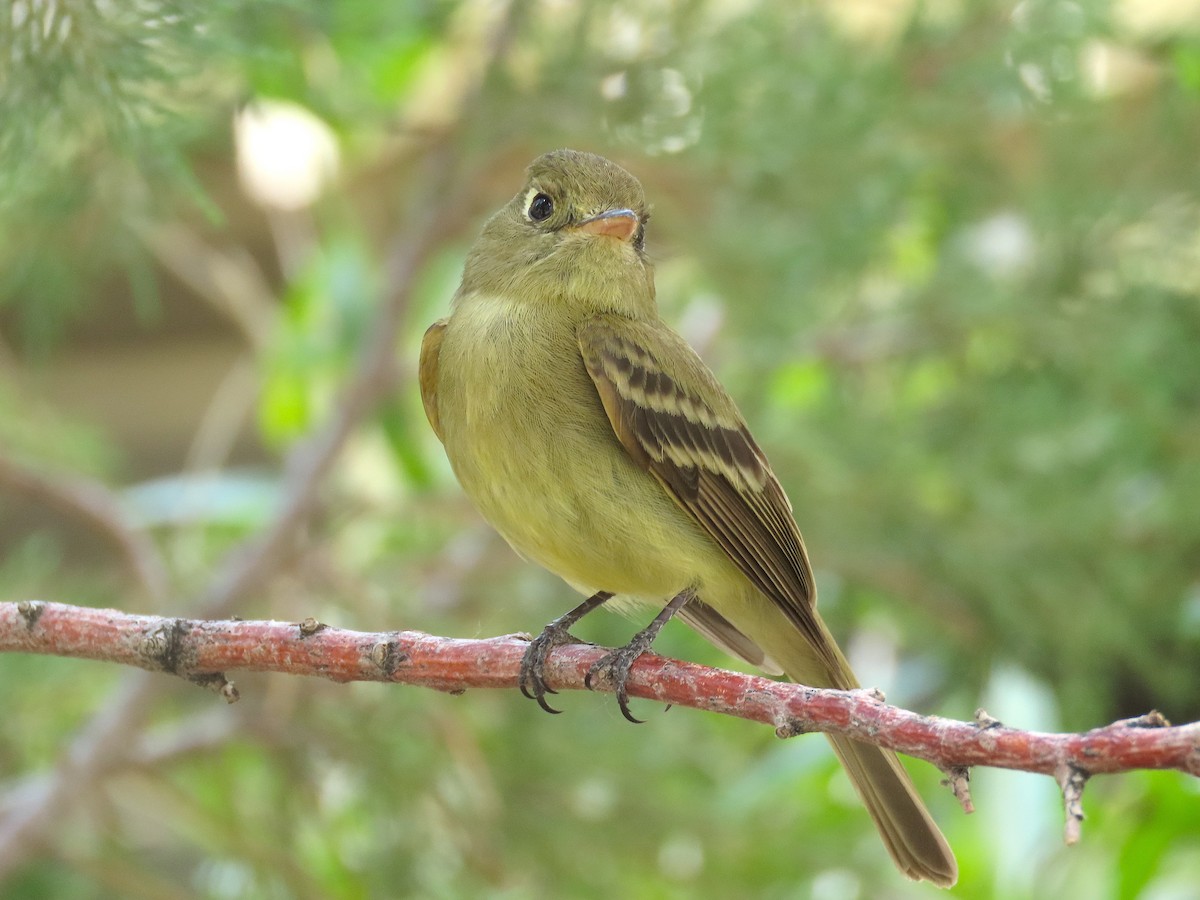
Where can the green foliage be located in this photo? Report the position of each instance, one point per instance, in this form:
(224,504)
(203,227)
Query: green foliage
(943,254)
(99,104)
(326,312)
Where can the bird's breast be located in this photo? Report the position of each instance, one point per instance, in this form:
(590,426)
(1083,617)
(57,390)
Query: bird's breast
(528,439)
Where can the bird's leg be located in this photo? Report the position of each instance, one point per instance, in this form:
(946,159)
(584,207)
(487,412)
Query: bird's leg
(531,680)
(616,665)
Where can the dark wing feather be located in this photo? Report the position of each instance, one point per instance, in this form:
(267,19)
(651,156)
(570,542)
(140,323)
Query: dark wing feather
(677,422)
(719,631)
(427,373)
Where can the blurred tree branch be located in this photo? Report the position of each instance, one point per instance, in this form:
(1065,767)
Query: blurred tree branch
(440,205)
(97,507)
(203,650)
(951,270)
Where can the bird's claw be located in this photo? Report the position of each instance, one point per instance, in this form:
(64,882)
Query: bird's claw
(615,666)
(532,680)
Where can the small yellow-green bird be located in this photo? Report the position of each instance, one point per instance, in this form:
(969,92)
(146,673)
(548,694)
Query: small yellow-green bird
(595,440)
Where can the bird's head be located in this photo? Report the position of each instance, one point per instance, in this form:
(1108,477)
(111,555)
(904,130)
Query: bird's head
(574,234)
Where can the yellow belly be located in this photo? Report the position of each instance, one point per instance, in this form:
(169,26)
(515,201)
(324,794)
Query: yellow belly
(532,447)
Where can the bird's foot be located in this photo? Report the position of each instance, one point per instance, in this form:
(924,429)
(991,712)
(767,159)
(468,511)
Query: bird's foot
(532,679)
(615,666)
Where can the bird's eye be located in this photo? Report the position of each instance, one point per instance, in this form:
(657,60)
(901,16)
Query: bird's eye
(540,208)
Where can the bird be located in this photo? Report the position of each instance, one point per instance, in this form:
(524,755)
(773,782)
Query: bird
(594,439)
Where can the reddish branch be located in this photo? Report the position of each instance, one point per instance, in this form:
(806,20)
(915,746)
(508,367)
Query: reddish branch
(438,208)
(202,651)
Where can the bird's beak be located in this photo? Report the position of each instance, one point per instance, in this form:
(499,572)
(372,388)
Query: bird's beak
(619,223)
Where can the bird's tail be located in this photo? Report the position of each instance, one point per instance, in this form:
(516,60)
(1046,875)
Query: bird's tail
(908,831)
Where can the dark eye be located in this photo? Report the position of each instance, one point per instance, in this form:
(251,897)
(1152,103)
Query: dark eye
(639,238)
(540,208)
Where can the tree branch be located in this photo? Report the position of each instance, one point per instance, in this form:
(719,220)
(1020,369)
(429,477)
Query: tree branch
(202,651)
(99,508)
(439,205)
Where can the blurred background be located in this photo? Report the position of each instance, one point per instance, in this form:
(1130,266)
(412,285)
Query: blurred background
(946,255)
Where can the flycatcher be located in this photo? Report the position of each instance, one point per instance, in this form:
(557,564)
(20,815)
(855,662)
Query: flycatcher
(595,440)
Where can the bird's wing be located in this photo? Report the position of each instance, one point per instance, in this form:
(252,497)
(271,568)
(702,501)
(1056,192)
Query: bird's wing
(431,348)
(677,422)
(719,631)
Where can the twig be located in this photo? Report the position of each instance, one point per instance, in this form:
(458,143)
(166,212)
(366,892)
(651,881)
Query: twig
(203,650)
(100,747)
(197,734)
(228,280)
(98,508)
(1072,779)
(436,209)
(958,779)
